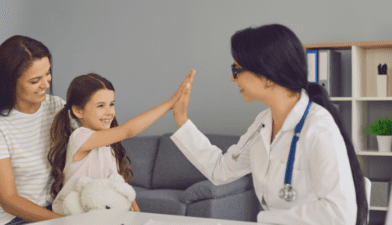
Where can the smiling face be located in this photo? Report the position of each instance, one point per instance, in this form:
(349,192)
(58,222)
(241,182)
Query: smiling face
(32,85)
(252,87)
(99,112)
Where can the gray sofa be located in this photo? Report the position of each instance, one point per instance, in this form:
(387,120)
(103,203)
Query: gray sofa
(167,183)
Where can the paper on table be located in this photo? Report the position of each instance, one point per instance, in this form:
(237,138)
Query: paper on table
(153,222)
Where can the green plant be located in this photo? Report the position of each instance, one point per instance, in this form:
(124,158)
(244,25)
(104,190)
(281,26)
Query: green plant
(380,127)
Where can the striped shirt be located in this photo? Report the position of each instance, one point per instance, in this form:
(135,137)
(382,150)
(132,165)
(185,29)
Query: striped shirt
(25,138)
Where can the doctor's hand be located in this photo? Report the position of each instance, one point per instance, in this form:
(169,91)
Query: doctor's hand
(181,105)
(173,99)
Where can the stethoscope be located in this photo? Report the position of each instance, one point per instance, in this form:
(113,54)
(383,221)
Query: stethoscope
(287,192)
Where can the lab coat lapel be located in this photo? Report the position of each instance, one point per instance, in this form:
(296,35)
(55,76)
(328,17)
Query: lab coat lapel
(296,113)
(259,156)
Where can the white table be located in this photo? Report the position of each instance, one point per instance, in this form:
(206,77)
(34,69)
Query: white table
(114,217)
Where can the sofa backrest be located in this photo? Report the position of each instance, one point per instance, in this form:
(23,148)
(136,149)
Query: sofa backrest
(174,171)
(142,152)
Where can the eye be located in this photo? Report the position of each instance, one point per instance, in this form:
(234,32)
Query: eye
(107,207)
(112,104)
(100,106)
(34,82)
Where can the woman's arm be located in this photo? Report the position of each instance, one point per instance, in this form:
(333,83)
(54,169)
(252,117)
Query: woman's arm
(135,125)
(16,205)
(207,158)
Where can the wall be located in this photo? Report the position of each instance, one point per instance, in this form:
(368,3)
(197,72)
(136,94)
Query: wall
(146,48)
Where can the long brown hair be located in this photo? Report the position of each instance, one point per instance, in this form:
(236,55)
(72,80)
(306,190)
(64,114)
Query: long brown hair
(276,52)
(79,93)
(17,54)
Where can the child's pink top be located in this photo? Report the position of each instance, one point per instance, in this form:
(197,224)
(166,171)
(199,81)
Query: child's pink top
(99,163)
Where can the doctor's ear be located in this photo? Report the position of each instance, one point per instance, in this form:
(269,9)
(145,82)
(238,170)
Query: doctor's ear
(268,83)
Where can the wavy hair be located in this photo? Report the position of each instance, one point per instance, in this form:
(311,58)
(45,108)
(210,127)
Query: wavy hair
(17,54)
(79,93)
(275,52)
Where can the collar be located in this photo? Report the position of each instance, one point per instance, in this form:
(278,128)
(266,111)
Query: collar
(296,113)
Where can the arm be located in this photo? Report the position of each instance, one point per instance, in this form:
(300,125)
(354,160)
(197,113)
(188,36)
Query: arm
(133,126)
(16,205)
(127,130)
(134,207)
(208,158)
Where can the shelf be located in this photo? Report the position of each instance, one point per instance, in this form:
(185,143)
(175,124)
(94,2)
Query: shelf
(374,153)
(373,99)
(378,208)
(355,96)
(347,45)
(342,99)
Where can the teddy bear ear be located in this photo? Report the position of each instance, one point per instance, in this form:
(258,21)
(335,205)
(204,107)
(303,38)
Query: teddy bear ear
(82,183)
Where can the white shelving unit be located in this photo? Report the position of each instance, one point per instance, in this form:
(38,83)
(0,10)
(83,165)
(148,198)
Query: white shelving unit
(361,105)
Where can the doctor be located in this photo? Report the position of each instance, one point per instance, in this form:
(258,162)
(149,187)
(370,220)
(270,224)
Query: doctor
(326,185)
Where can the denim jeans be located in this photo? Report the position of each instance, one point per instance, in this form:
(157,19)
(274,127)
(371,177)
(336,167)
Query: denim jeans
(19,221)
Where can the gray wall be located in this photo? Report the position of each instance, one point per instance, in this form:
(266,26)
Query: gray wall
(146,48)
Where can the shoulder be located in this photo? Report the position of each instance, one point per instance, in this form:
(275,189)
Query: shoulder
(80,131)
(320,118)
(320,127)
(54,101)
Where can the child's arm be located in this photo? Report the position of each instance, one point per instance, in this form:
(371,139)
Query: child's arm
(134,207)
(135,125)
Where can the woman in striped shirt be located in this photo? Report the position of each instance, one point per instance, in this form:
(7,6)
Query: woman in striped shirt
(26,115)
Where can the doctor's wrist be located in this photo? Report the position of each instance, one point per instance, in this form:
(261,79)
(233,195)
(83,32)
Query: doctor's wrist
(181,121)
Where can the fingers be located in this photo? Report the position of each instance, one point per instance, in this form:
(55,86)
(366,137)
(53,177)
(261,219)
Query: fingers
(188,78)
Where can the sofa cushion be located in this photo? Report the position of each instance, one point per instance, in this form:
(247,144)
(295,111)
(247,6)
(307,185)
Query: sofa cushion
(160,201)
(242,207)
(142,153)
(207,190)
(174,171)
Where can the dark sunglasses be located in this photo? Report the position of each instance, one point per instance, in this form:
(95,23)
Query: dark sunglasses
(236,71)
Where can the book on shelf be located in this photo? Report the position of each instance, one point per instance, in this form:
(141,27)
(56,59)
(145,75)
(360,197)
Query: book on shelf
(330,71)
(312,57)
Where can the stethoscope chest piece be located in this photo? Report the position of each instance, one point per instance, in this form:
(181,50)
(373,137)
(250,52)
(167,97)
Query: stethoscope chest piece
(287,193)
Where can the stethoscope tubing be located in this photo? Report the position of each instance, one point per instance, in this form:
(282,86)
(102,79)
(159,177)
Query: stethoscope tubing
(290,161)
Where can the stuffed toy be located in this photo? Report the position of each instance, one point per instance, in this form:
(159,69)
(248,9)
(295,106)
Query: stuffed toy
(95,194)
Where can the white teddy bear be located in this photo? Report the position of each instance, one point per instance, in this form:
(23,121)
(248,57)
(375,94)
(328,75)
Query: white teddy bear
(94,194)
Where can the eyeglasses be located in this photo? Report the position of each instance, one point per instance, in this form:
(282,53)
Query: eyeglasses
(236,71)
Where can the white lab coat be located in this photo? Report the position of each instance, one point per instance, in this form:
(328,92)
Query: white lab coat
(321,176)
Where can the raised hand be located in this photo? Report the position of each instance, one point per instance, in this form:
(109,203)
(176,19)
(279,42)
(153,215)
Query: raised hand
(181,105)
(181,89)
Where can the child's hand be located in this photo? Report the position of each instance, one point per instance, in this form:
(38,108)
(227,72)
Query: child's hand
(185,84)
(134,207)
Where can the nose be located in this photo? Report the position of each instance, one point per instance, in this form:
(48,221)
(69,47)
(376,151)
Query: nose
(110,110)
(45,84)
(232,78)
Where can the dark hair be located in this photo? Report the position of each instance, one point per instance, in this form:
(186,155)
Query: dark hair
(17,54)
(275,53)
(79,94)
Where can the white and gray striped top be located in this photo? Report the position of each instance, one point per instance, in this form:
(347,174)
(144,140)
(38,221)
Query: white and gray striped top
(25,138)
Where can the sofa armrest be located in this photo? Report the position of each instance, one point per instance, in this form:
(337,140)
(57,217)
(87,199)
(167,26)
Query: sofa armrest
(207,190)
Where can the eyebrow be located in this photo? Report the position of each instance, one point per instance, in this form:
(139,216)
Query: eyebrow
(105,102)
(39,76)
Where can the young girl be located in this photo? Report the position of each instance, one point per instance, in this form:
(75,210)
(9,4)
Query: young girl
(94,149)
